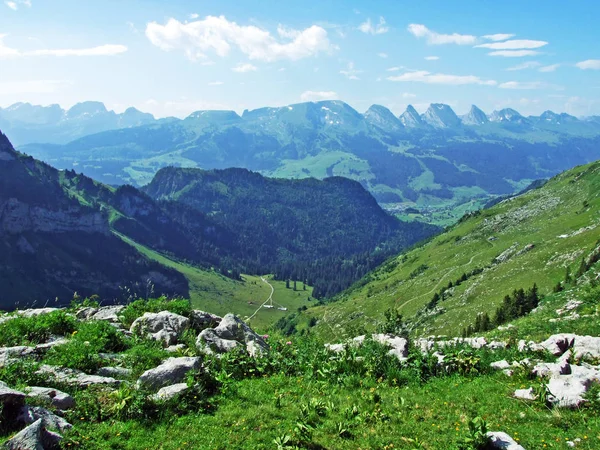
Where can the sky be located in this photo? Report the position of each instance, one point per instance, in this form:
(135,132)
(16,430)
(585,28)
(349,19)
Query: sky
(174,57)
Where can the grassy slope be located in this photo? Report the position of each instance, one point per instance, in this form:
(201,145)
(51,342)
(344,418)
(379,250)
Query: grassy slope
(538,217)
(215,293)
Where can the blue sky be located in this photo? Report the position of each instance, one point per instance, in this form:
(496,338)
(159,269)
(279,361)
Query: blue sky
(175,57)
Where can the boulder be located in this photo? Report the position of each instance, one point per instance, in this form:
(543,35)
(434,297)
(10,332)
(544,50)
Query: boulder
(175,348)
(501,440)
(231,332)
(164,326)
(551,369)
(525,394)
(500,365)
(567,391)
(586,347)
(10,396)
(170,392)
(118,373)
(11,354)
(108,313)
(171,371)
(34,437)
(86,313)
(398,345)
(200,320)
(77,378)
(56,398)
(30,414)
(36,312)
(557,344)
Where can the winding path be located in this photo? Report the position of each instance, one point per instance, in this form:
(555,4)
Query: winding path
(267,300)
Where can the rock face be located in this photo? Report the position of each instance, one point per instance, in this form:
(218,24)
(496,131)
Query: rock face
(501,440)
(171,371)
(10,396)
(56,398)
(583,347)
(164,326)
(230,333)
(34,437)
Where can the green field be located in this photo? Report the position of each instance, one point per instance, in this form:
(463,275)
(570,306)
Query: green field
(544,232)
(215,293)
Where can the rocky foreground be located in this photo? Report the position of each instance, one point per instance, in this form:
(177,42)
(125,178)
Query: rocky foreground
(566,380)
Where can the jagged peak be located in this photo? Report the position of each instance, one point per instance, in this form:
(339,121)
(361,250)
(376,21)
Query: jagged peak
(383,118)
(440,115)
(86,109)
(475,116)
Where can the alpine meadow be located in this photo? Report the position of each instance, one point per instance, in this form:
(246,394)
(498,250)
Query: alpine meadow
(299,225)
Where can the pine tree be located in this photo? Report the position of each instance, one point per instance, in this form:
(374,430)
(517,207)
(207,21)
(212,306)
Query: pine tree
(287,283)
(294,285)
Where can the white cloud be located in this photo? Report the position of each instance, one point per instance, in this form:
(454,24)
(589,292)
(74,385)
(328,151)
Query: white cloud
(432,58)
(433,38)
(593,64)
(527,85)
(408,95)
(7,52)
(31,87)
(315,96)
(497,37)
(369,28)
(350,72)
(101,50)
(193,16)
(395,69)
(14,4)
(550,68)
(525,65)
(514,53)
(382,55)
(218,35)
(514,44)
(243,68)
(215,83)
(422,76)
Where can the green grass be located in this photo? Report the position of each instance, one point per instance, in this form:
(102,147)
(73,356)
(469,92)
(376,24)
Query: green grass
(568,203)
(215,293)
(340,163)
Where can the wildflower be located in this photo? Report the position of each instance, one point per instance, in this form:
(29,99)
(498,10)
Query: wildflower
(265,336)
(74,333)
(288,343)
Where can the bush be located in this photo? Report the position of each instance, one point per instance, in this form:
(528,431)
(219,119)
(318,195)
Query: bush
(37,329)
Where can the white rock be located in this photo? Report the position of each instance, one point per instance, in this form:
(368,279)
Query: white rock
(118,373)
(525,394)
(500,365)
(164,326)
(231,332)
(171,371)
(567,391)
(10,396)
(170,392)
(58,399)
(72,377)
(503,441)
(108,313)
(31,414)
(34,437)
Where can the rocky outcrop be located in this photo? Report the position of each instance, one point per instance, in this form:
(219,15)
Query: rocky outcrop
(31,414)
(170,392)
(501,440)
(171,371)
(165,326)
(201,320)
(10,396)
(229,334)
(398,345)
(108,313)
(118,373)
(76,378)
(18,217)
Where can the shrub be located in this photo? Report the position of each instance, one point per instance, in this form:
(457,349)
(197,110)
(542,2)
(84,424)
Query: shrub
(37,329)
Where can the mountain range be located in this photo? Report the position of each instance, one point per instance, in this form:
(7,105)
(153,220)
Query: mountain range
(62,232)
(432,166)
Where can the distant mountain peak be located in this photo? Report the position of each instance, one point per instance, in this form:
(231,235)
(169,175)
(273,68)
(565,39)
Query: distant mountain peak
(475,117)
(383,118)
(440,115)
(215,116)
(507,115)
(86,109)
(411,118)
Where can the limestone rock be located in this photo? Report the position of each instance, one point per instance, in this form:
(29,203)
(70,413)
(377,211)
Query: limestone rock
(567,391)
(501,440)
(500,365)
(34,437)
(10,396)
(398,345)
(108,313)
(72,377)
(200,320)
(164,326)
(171,371)
(58,399)
(525,394)
(30,414)
(170,392)
(231,332)
(118,373)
